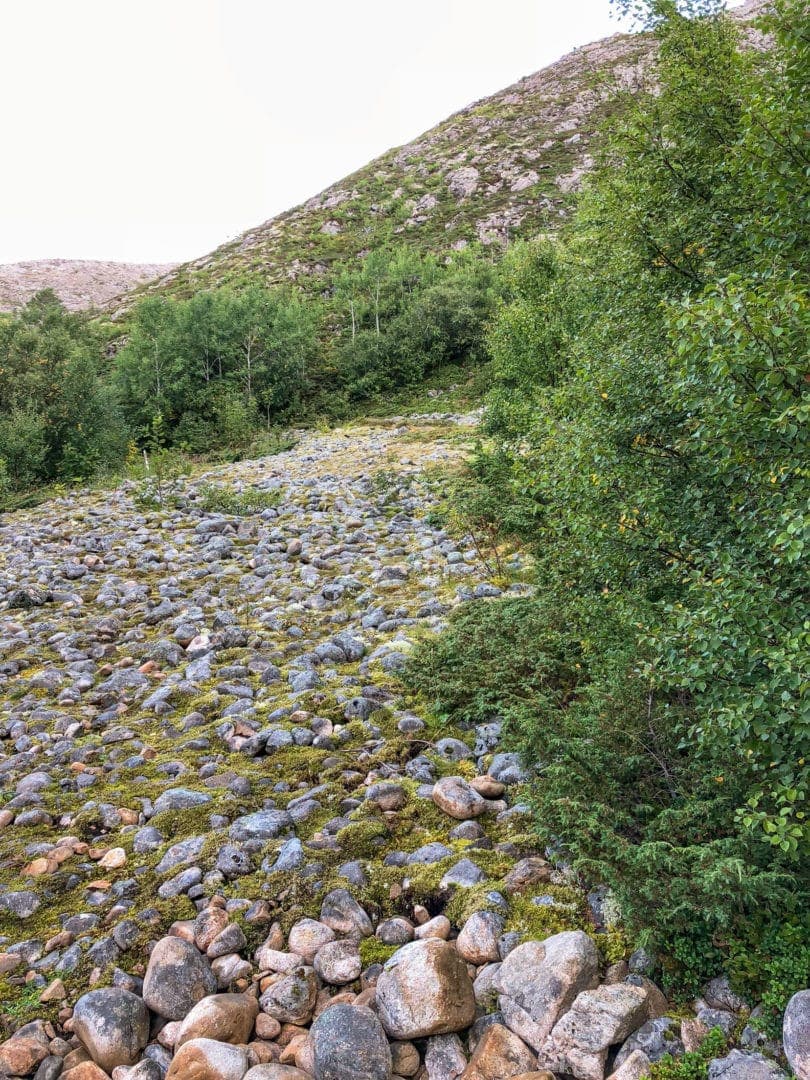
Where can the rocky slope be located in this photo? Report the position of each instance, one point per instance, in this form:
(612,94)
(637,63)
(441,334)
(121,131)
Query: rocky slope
(504,167)
(232,847)
(79,283)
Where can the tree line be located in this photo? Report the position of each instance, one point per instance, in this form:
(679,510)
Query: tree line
(212,370)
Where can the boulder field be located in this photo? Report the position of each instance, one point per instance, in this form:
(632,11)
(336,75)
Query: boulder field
(234,847)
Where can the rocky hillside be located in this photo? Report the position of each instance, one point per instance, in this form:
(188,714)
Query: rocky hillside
(506,166)
(79,283)
(503,167)
(232,846)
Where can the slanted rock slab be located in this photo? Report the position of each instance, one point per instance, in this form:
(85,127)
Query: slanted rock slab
(539,980)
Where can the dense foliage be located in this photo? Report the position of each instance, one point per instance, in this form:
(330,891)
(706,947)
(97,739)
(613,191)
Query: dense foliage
(649,440)
(58,416)
(212,372)
(211,369)
(203,372)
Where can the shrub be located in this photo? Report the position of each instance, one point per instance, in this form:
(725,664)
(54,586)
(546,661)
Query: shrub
(648,441)
(23,447)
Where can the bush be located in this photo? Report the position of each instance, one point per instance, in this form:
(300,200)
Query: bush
(23,447)
(59,419)
(693,1065)
(216,499)
(648,441)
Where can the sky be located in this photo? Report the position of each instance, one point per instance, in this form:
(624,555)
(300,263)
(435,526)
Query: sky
(154,130)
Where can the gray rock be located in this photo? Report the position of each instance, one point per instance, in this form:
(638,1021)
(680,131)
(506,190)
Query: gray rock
(184,851)
(233,861)
(796,1034)
(655,1038)
(263,825)
(21,904)
(291,1000)
(349,1043)
(463,874)
(341,912)
(177,977)
(338,962)
(113,1026)
(508,769)
(744,1066)
(444,1057)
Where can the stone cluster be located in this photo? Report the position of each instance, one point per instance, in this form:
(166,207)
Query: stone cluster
(232,847)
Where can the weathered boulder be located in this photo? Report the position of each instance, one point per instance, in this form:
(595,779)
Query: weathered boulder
(177,977)
(539,980)
(796,1034)
(224,1017)
(636,1067)
(655,1038)
(343,914)
(307,936)
(338,963)
(424,989)
(458,799)
(349,1044)
(26,1048)
(261,826)
(206,1059)
(498,1055)
(478,941)
(113,1026)
(444,1057)
(291,1000)
(739,1065)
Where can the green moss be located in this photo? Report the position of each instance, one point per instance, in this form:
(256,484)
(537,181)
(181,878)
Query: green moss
(373,951)
(537,921)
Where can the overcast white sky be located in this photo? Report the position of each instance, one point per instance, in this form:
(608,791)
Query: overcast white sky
(154,130)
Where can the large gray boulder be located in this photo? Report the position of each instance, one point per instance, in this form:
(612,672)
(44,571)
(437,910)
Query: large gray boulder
(177,977)
(796,1034)
(112,1025)
(425,989)
(539,980)
(349,1043)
